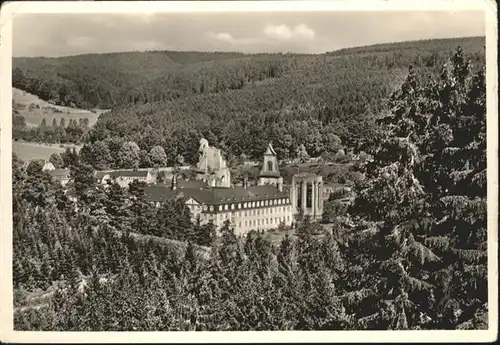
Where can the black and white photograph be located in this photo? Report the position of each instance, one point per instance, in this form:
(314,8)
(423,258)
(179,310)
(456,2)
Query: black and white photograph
(199,167)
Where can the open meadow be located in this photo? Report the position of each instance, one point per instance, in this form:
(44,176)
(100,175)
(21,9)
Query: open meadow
(34,110)
(28,151)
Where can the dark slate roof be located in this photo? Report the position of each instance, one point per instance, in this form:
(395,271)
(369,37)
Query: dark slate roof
(62,173)
(269,174)
(159,192)
(216,195)
(123,173)
(191,184)
(185,184)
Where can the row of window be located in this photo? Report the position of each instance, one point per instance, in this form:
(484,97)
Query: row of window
(127,178)
(253,204)
(256,212)
(267,221)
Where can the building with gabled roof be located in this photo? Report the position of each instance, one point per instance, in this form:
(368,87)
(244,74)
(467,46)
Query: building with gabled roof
(62,176)
(261,207)
(247,208)
(124,177)
(264,206)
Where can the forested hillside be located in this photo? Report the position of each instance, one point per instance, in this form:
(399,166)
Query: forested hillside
(238,102)
(410,253)
(320,100)
(107,80)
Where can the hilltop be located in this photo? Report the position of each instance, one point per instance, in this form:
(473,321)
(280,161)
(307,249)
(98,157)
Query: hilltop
(105,80)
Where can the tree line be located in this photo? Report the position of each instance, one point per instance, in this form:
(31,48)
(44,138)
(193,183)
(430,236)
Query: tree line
(54,133)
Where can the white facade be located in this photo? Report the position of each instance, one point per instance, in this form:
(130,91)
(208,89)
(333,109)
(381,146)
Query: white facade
(124,181)
(245,216)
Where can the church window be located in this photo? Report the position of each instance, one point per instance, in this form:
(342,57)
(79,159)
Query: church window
(225,207)
(232,206)
(270,166)
(239,205)
(239,225)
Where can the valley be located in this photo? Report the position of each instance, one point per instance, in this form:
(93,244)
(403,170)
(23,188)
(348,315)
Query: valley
(231,191)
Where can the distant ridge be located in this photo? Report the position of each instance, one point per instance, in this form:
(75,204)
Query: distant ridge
(391,46)
(119,79)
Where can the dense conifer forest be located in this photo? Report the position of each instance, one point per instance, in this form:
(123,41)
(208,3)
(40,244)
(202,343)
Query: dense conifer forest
(408,253)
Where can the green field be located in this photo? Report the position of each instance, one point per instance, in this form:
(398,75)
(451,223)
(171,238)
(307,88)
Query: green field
(28,151)
(41,109)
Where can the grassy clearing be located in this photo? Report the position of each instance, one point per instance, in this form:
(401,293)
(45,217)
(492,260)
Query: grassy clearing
(28,151)
(35,110)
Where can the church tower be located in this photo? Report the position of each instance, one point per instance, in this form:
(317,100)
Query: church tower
(270,173)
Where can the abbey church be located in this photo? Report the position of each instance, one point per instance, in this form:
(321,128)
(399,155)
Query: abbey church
(213,198)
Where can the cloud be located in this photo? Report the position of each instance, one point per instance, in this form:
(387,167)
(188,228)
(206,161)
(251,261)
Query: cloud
(285,33)
(301,32)
(222,36)
(228,38)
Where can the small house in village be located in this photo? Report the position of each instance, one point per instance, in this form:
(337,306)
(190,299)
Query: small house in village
(124,177)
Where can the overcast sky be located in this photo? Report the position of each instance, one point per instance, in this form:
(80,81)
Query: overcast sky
(309,32)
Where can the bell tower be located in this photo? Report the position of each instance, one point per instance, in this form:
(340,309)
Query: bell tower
(270,173)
